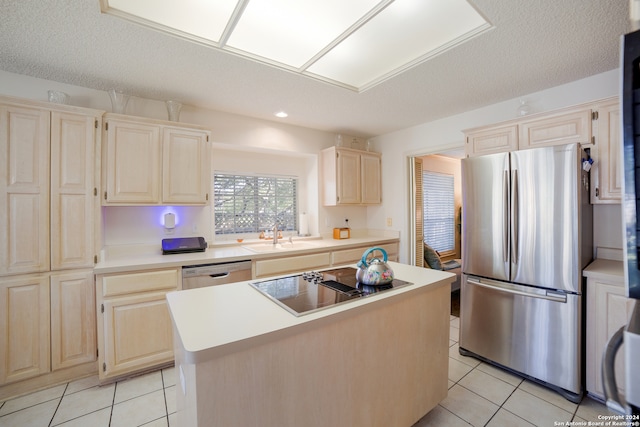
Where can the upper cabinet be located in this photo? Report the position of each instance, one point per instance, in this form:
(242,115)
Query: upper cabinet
(48,188)
(607,170)
(490,140)
(151,162)
(350,177)
(596,126)
(559,128)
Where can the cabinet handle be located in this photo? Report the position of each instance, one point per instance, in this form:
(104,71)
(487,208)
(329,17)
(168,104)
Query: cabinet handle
(597,192)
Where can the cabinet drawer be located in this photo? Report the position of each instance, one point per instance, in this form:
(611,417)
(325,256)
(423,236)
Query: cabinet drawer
(121,284)
(272,267)
(354,255)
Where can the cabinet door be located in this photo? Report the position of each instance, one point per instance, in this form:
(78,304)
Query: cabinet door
(499,139)
(371,183)
(607,310)
(24,327)
(186,164)
(72,190)
(137,333)
(73,319)
(348,179)
(606,174)
(132,172)
(24,190)
(556,129)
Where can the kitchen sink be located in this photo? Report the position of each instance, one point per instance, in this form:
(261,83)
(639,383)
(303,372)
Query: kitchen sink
(284,246)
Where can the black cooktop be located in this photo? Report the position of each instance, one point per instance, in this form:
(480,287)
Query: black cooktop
(312,291)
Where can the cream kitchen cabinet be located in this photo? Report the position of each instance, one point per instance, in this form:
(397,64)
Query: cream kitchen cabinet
(315,261)
(353,255)
(150,162)
(607,310)
(47,192)
(48,326)
(491,140)
(290,264)
(134,327)
(556,128)
(607,170)
(49,218)
(577,124)
(24,327)
(73,319)
(350,177)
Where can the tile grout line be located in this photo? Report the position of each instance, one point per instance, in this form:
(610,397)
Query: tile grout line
(58,405)
(113,403)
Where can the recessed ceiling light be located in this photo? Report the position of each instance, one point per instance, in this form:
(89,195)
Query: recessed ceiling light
(282,114)
(355,44)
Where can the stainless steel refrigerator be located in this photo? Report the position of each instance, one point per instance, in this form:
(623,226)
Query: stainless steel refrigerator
(527,235)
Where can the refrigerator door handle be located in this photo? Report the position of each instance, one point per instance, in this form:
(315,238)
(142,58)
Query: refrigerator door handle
(611,395)
(514,217)
(506,288)
(505,217)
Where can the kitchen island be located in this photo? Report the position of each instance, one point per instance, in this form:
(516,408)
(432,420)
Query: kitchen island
(243,360)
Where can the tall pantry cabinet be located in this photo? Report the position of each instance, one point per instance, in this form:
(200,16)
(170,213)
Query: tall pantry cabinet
(48,218)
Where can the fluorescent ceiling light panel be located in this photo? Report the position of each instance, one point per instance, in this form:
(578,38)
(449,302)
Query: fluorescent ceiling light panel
(354,44)
(196,19)
(406,33)
(294,31)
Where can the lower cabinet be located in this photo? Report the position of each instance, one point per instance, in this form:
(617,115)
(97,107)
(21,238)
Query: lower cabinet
(24,328)
(298,263)
(134,325)
(47,324)
(607,310)
(73,319)
(349,256)
(290,264)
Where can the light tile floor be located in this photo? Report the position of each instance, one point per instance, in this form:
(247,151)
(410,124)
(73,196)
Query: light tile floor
(479,395)
(483,395)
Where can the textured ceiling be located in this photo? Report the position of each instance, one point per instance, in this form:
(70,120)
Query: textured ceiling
(536,44)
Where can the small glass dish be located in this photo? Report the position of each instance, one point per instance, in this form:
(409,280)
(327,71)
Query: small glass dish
(58,97)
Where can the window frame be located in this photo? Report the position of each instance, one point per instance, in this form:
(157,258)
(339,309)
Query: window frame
(285,213)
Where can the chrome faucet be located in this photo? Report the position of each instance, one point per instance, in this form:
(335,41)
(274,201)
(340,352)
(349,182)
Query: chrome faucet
(275,234)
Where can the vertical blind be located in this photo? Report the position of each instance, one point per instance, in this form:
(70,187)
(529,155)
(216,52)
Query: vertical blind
(439,210)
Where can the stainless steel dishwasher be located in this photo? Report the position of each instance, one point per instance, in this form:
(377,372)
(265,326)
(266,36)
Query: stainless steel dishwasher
(199,276)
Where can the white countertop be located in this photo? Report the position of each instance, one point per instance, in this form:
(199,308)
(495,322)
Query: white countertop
(135,259)
(609,270)
(217,320)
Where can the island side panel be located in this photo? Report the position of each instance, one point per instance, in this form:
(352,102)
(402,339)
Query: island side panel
(382,364)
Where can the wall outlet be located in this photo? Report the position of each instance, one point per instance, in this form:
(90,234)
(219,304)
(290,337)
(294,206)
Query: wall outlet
(389,222)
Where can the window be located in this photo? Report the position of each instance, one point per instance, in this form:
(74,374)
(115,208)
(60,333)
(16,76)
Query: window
(250,204)
(439,211)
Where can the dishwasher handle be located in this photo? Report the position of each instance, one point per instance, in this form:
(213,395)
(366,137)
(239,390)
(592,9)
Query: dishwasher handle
(214,270)
(219,275)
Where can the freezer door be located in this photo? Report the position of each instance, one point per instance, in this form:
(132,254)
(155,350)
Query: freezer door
(533,331)
(546,194)
(485,216)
